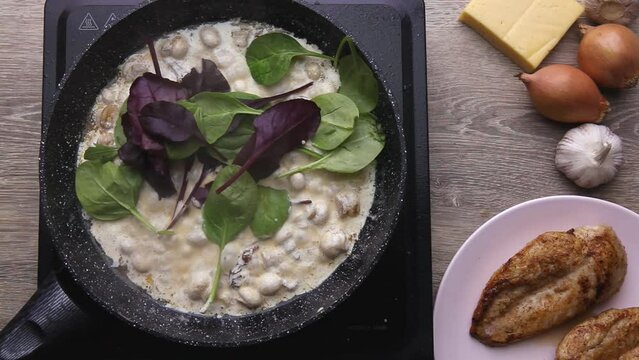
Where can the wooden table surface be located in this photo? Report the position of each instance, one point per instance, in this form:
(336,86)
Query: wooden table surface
(489,150)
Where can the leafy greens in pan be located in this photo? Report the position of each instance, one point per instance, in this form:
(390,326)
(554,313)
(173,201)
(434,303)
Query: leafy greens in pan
(164,122)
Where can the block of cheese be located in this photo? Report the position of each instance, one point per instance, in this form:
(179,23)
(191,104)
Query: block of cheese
(524,30)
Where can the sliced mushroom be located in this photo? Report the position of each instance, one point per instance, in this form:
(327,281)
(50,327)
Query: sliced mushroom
(107,96)
(297,181)
(240,85)
(176,47)
(290,284)
(240,37)
(197,238)
(198,285)
(333,243)
(105,139)
(250,297)
(268,283)
(272,257)
(127,246)
(347,203)
(223,58)
(302,222)
(210,37)
(318,212)
(134,69)
(313,70)
(141,262)
(289,245)
(108,116)
(284,234)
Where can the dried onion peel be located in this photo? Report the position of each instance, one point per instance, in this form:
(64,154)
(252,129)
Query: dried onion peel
(609,54)
(565,94)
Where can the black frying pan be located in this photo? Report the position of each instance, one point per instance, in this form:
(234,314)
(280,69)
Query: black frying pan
(82,256)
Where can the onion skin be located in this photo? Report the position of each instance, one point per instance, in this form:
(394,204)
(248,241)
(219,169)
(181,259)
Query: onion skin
(565,94)
(609,54)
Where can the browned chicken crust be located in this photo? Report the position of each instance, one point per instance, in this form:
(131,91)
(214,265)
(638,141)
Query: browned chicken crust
(551,280)
(611,335)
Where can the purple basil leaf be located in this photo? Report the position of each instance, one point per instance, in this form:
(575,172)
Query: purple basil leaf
(199,195)
(205,158)
(158,175)
(260,103)
(154,167)
(202,193)
(210,79)
(188,163)
(146,89)
(142,151)
(235,123)
(132,155)
(278,130)
(150,88)
(168,121)
(135,134)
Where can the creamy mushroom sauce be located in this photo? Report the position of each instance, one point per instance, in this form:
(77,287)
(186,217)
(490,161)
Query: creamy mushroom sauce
(257,274)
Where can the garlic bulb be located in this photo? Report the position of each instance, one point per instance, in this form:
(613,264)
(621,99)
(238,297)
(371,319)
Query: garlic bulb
(589,155)
(623,12)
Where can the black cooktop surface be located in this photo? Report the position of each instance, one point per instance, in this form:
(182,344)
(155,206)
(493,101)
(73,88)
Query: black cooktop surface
(390,315)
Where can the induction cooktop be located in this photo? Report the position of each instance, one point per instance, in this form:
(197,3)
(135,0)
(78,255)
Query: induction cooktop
(390,315)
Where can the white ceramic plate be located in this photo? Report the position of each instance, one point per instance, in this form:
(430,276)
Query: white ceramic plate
(499,239)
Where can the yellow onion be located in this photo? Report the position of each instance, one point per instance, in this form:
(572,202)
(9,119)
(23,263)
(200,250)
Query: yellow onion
(609,54)
(566,94)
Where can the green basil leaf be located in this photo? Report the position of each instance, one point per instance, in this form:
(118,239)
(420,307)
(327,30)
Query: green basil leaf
(181,150)
(118,131)
(227,214)
(214,113)
(230,144)
(273,207)
(359,150)
(109,192)
(101,153)
(338,118)
(314,153)
(240,95)
(269,57)
(358,81)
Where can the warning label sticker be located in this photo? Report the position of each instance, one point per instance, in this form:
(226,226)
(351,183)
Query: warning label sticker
(112,19)
(88,23)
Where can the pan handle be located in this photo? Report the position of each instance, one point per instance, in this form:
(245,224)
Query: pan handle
(46,318)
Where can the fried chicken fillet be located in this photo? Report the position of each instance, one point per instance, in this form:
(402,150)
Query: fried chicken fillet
(611,335)
(554,278)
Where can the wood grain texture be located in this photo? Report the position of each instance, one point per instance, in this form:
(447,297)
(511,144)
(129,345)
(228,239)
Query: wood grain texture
(489,150)
(20,106)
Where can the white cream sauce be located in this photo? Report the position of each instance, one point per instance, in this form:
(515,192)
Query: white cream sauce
(256,274)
